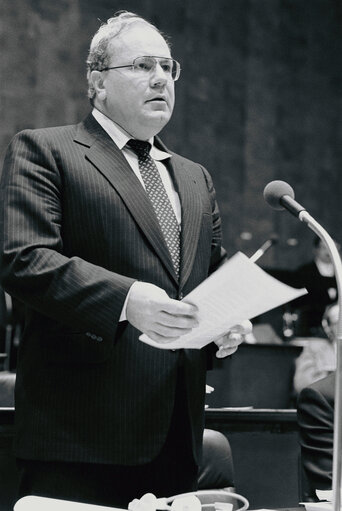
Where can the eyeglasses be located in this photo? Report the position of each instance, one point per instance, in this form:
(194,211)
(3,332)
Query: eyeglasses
(147,64)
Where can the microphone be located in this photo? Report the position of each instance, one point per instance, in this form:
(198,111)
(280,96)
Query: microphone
(280,195)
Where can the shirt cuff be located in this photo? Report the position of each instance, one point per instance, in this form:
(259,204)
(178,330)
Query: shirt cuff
(123,316)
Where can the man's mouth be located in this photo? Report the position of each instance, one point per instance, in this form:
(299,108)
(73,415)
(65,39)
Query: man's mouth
(155,99)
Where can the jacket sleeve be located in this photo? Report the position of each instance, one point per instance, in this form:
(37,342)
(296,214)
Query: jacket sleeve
(33,266)
(218,253)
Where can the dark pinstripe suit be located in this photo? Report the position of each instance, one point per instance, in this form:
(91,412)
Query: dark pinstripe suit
(78,230)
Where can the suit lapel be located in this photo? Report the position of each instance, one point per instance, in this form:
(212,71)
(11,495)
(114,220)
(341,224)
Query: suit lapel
(191,215)
(107,158)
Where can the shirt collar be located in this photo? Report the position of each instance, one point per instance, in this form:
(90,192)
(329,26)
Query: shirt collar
(121,137)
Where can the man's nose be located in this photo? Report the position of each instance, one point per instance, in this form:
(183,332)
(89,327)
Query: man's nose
(159,77)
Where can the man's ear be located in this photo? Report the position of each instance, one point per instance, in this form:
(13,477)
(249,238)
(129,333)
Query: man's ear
(96,79)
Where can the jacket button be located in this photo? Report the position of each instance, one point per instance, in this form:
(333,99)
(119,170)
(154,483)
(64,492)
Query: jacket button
(181,296)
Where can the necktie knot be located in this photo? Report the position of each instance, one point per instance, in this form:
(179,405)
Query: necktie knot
(140,147)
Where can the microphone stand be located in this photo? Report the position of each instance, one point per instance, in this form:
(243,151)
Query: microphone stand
(305,217)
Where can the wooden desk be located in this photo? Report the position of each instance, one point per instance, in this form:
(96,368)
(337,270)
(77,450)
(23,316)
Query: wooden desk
(265,450)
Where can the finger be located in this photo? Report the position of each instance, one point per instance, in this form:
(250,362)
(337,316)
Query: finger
(225,352)
(166,331)
(175,307)
(244,327)
(230,340)
(173,321)
(233,340)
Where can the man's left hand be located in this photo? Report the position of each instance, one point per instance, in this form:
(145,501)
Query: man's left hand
(229,343)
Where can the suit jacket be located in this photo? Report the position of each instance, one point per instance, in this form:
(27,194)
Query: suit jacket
(316,426)
(77,231)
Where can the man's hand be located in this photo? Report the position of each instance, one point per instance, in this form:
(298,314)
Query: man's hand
(229,343)
(150,310)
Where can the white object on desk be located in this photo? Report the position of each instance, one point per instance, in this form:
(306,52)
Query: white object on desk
(33,503)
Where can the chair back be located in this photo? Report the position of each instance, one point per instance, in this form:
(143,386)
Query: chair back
(216,470)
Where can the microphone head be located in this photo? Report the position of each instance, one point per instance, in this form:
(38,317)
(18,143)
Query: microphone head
(274,191)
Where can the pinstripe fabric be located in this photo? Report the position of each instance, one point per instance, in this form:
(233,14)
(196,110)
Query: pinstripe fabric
(76,231)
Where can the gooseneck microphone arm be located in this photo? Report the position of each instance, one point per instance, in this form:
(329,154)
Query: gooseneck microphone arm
(280,195)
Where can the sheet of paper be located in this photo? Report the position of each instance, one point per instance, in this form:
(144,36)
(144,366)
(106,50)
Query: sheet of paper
(317,506)
(326,495)
(238,290)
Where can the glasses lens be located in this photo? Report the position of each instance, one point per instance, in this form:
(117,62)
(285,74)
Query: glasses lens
(148,64)
(145,64)
(175,70)
(170,67)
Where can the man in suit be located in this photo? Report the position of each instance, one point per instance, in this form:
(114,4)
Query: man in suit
(101,239)
(316,426)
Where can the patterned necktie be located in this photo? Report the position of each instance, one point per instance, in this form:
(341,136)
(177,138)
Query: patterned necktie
(160,201)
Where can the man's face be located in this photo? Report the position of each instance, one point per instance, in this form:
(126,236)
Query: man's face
(141,103)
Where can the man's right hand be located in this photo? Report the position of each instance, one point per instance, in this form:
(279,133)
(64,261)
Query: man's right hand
(150,310)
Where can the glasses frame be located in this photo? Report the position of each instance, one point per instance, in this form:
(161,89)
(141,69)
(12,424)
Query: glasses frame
(178,68)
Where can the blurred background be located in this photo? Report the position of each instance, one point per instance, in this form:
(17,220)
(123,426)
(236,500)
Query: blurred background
(260,98)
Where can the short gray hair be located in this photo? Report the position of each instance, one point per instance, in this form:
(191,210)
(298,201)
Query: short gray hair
(98,56)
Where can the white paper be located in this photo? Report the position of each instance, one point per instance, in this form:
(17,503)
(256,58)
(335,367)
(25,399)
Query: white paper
(317,506)
(326,495)
(325,501)
(237,291)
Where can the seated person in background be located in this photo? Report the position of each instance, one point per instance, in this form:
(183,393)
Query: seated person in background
(302,317)
(316,423)
(318,358)
(318,277)
(217,467)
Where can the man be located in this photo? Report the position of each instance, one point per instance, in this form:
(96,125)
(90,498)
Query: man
(93,247)
(316,427)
